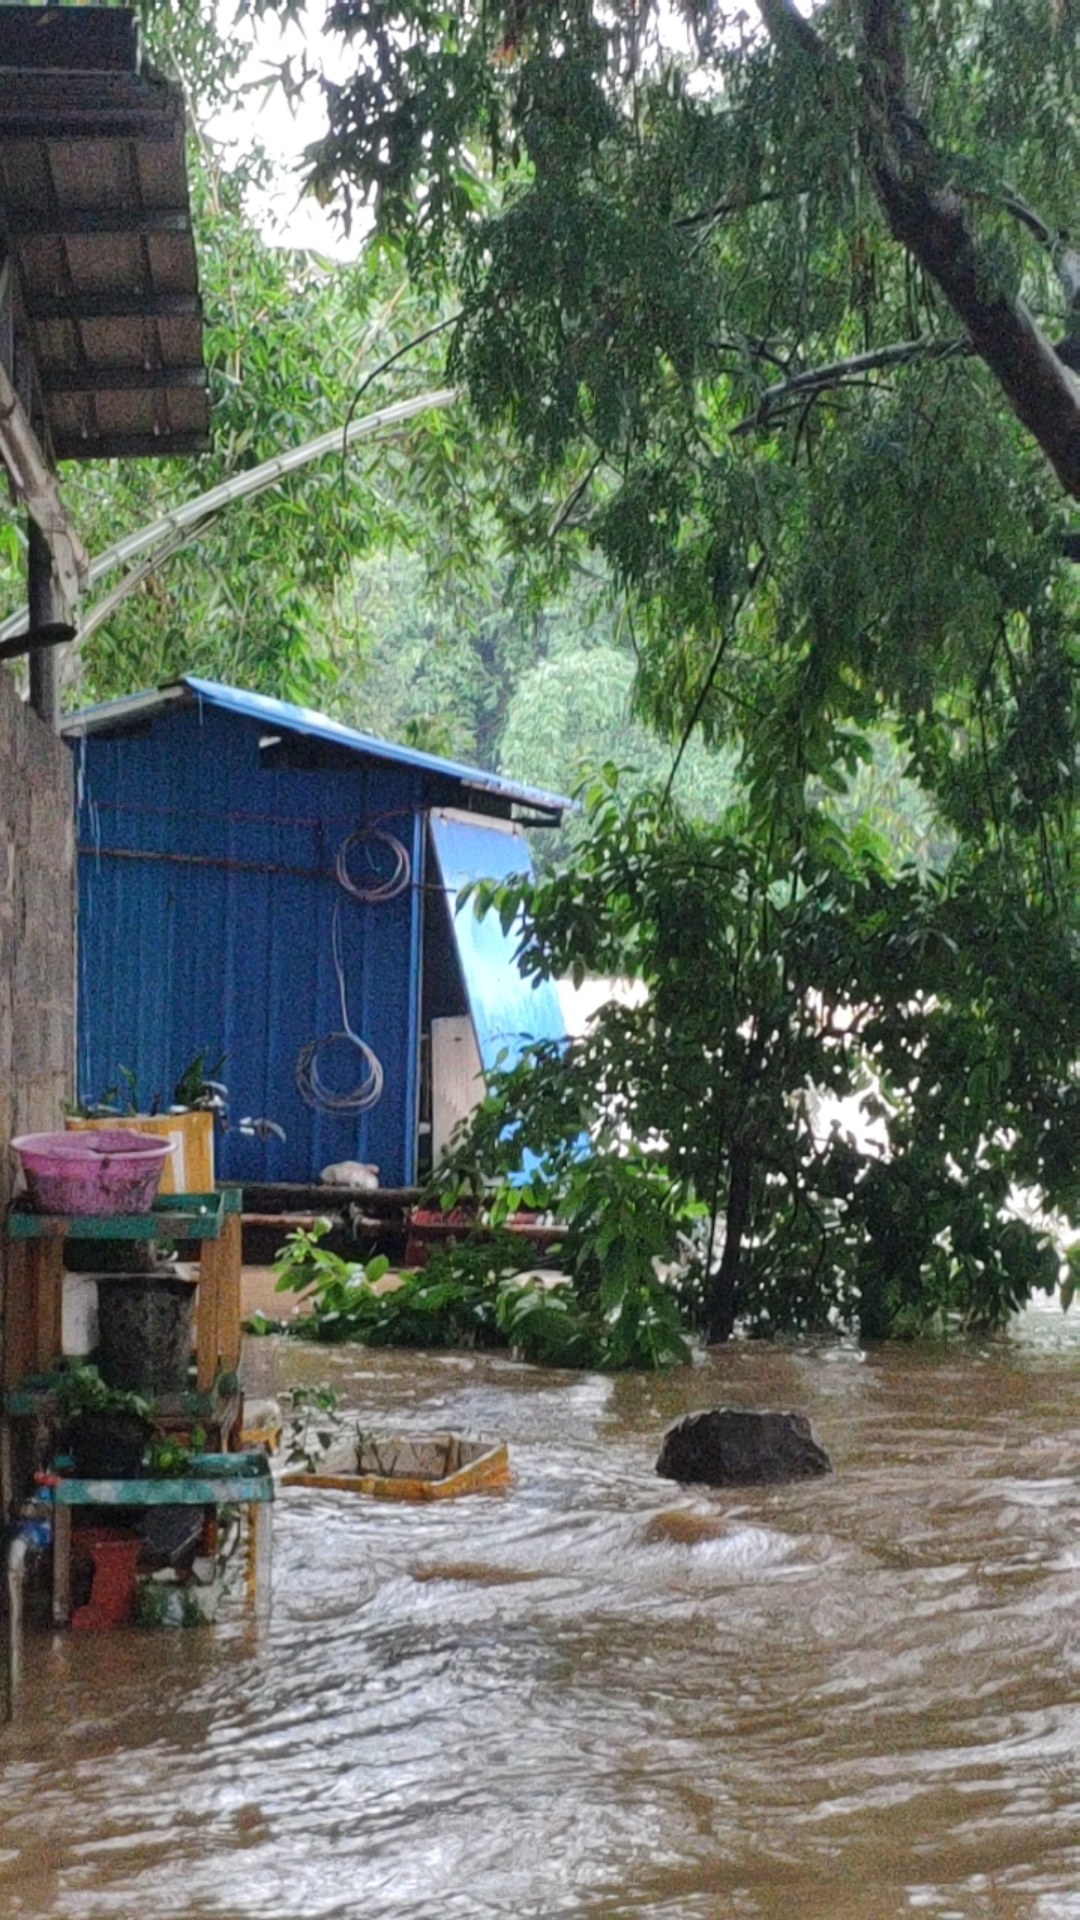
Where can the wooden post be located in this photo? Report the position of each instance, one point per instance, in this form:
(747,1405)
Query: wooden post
(61,1595)
(41,600)
(218,1336)
(207,1308)
(49,1284)
(33,1306)
(232,1259)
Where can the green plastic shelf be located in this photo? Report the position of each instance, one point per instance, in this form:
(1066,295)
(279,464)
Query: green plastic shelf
(216,1480)
(38,1393)
(174,1216)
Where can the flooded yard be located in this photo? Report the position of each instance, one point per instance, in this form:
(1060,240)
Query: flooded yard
(846,1699)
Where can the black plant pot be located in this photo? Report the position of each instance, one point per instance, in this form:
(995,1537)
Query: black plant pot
(108,1446)
(144,1332)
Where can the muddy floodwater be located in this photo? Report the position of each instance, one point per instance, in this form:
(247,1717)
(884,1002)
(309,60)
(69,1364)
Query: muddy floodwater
(850,1699)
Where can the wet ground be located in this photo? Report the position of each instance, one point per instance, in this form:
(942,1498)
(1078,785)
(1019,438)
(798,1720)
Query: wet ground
(847,1699)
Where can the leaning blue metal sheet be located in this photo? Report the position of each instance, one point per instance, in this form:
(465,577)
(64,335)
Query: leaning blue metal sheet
(507,1010)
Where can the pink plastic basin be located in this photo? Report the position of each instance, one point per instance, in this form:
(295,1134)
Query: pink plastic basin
(106,1170)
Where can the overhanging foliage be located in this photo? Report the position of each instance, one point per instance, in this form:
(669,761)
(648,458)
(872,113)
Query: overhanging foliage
(769,307)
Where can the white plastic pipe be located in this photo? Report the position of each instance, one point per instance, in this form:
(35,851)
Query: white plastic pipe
(17,1550)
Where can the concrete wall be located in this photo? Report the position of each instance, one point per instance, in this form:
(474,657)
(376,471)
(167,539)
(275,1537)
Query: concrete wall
(37,926)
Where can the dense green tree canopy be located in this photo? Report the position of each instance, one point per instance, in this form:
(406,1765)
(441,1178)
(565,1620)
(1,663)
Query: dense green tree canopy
(768,304)
(710,290)
(756,314)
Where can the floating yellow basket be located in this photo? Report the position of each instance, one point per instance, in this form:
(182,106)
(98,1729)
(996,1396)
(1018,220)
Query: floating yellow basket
(435,1466)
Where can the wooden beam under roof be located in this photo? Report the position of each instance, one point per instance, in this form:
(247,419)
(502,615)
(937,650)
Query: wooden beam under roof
(93,106)
(120,379)
(93,187)
(131,446)
(98,282)
(113,305)
(36,485)
(30,224)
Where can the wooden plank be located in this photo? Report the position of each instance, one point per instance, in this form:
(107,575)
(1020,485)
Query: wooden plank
(229,1314)
(130,446)
(121,379)
(55,107)
(457,1078)
(207,1308)
(219,1285)
(61,1594)
(259,1557)
(28,223)
(19,1313)
(488,1470)
(284,1196)
(308,1220)
(7,1471)
(49,1287)
(121,303)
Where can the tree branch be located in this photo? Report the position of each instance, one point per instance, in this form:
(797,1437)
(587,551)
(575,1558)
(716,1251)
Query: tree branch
(741,203)
(818,379)
(925,214)
(786,26)
(1063,257)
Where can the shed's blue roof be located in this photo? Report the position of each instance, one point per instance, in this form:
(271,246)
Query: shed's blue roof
(132,707)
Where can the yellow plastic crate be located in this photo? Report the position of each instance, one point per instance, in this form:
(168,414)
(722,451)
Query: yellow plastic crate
(190,1166)
(435,1466)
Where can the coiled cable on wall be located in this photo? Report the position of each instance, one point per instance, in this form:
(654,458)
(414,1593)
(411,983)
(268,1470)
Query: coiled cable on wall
(395,882)
(309,1084)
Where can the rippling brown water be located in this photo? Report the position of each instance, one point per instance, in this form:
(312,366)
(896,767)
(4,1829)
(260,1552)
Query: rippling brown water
(850,1699)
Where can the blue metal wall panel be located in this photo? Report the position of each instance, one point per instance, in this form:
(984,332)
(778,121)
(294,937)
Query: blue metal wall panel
(207,897)
(507,1010)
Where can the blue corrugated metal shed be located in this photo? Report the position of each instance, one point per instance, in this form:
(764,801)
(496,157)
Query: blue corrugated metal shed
(136,707)
(223,839)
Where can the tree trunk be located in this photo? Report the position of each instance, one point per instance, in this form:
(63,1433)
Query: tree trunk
(723,1295)
(928,217)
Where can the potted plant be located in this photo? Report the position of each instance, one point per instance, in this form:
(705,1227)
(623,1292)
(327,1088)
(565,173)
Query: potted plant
(109,1432)
(188,1120)
(106,1430)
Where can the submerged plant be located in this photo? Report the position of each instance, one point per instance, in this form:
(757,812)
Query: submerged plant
(336,1292)
(608,1311)
(170,1458)
(314,1421)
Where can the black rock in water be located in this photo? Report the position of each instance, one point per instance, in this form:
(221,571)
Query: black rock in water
(729,1447)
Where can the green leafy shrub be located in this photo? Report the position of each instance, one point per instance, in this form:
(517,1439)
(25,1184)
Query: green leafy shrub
(80,1389)
(314,1421)
(482,1292)
(779,977)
